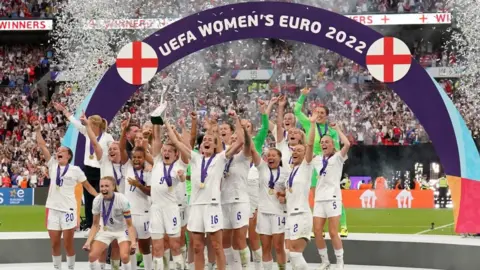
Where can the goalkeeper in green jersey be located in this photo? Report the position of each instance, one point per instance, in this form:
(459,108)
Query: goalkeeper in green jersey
(322,130)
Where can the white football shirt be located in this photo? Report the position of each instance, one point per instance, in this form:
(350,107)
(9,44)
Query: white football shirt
(270,203)
(140,202)
(107,168)
(210,194)
(63,198)
(253,183)
(234,187)
(161,194)
(286,153)
(297,199)
(328,184)
(116,220)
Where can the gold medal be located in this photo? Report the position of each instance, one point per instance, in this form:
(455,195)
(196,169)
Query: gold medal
(105,228)
(291,166)
(270,192)
(170,189)
(91,156)
(202,185)
(290,189)
(58,187)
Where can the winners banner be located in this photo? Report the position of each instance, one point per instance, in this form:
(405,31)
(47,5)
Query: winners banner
(16,196)
(371,198)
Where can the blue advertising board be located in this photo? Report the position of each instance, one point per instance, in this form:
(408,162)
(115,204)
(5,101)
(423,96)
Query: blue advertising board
(16,196)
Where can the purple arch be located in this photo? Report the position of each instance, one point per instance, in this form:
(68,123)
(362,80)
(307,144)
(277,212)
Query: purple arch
(416,89)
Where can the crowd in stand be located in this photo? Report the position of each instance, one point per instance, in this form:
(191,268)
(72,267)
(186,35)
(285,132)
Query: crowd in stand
(374,114)
(28,8)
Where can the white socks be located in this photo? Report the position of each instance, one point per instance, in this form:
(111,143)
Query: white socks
(57,262)
(71,262)
(183,250)
(93,265)
(267,265)
(191,266)
(178,262)
(339,255)
(229,256)
(324,255)
(157,264)
(133,261)
(148,261)
(244,257)
(298,261)
(257,259)
(102,265)
(127,266)
(115,264)
(166,259)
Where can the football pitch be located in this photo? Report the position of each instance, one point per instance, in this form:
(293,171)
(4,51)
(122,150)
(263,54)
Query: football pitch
(396,221)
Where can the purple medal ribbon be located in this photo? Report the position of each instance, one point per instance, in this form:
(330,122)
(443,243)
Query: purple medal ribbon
(227,167)
(106,214)
(91,145)
(271,183)
(325,163)
(59,179)
(320,132)
(115,174)
(167,175)
(140,178)
(224,147)
(204,174)
(251,164)
(292,176)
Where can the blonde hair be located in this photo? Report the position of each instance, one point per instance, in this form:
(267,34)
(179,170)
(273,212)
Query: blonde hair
(99,121)
(111,179)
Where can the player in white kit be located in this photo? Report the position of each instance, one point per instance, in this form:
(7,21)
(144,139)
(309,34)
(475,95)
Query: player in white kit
(114,209)
(299,220)
(271,213)
(168,170)
(205,209)
(286,141)
(328,196)
(61,203)
(235,200)
(111,165)
(137,191)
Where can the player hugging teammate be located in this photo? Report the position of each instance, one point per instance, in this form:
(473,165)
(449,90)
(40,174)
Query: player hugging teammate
(219,192)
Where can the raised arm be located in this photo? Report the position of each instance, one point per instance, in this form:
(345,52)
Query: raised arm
(41,142)
(343,139)
(184,150)
(77,124)
(256,158)
(123,141)
(297,110)
(193,130)
(259,139)
(93,140)
(157,140)
(282,102)
(311,139)
(184,137)
(240,136)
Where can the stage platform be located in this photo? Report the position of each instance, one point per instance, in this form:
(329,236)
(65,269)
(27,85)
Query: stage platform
(367,250)
(48,266)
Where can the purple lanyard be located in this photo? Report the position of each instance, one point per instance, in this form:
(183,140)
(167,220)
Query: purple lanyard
(271,183)
(140,178)
(106,214)
(91,145)
(204,173)
(292,176)
(320,131)
(227,166)
(325,163)
(115,174)
(167,175)
(60,178)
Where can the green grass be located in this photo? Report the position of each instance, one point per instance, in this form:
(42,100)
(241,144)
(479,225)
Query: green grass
(399,221)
